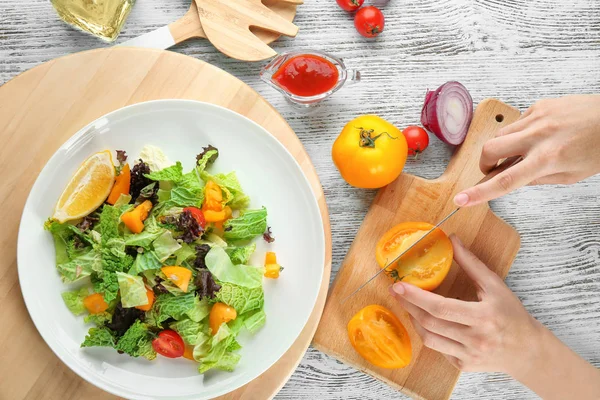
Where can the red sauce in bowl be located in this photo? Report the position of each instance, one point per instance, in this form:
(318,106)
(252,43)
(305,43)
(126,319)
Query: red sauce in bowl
(307,75)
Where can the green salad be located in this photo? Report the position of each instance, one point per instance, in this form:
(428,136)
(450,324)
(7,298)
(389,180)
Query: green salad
(162,265)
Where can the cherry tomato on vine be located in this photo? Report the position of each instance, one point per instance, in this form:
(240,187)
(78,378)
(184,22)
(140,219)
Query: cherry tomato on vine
(369,21)
(350,5)
(417,139)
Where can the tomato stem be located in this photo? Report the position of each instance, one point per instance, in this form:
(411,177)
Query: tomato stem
(394,275)
(366,138)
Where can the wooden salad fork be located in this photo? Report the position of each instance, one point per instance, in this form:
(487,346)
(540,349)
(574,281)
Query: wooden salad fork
(227,24)
(189,26)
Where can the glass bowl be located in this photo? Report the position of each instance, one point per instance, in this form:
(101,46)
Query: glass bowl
(345,76)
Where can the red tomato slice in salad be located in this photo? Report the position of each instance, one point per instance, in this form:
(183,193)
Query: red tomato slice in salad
(198,215)
(169,344)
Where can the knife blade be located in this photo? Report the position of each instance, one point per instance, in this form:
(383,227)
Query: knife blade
(504,165)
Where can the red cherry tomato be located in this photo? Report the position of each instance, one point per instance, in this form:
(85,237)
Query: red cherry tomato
(417,139)
(198,215)
(169,344)
(350,5)
(369,21)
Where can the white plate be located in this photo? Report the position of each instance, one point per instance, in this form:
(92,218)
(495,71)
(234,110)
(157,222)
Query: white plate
(267,172)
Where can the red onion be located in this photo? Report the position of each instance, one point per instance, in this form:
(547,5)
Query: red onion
(448,112)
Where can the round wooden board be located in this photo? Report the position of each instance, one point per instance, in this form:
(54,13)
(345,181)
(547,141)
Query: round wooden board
(39,110)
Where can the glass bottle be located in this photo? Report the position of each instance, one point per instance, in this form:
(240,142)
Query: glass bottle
(101,18)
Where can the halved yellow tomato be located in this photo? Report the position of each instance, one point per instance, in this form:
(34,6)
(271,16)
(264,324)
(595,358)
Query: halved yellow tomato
(425,265)
(380,338)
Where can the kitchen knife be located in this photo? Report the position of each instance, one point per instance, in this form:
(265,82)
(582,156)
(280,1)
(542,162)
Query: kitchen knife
(507,163)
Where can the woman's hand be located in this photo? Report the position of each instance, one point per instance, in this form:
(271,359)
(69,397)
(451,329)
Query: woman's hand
(496,334)
(559,140)
(492,334)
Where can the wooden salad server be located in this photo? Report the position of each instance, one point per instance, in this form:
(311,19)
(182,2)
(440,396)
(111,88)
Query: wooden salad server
(227,23)
(189,26)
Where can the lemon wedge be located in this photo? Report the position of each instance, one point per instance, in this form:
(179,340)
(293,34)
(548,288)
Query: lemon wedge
(88,188)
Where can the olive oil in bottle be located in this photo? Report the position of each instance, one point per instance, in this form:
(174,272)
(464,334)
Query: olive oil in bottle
(101,18)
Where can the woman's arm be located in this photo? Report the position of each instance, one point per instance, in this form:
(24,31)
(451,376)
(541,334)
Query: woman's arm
(554,371)
(496,334)
(559,140)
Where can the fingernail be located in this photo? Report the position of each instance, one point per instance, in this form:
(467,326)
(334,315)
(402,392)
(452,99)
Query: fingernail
(399,288)
(457,239)
(461,199)
(391,290)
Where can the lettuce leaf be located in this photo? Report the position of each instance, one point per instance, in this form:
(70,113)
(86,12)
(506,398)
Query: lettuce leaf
(186,197)
(223,270)
(192,181)
(123,199)
(255,321)
(74,300)
(136,341)
(207,159)
(200,310)
(165,245)
(112,252)
(133,291)
(192,333)
(184,253)
(243,299)
(103,337)
(80,267)
(145,349)
(241,255)
(98,319)
(239,199)
(217,354)
(64,236)
(144,262)
(248,225)
(150,233)
(107,285)
(170,306)
(163,195)
(174,173)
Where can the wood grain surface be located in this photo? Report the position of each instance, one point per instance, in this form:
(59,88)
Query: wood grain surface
(429,376)
(60,97)
(516,51)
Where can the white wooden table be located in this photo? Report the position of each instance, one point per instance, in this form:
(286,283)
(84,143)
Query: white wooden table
(516,51)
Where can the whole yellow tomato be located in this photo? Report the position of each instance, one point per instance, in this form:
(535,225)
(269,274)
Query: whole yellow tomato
(370,152)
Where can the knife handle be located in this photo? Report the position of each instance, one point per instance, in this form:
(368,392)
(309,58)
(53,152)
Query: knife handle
(503,166)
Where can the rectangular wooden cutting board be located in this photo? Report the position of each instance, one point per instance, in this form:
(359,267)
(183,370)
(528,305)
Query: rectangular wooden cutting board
(429,376)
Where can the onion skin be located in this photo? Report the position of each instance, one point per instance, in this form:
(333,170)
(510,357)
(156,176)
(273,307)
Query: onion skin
(431,119)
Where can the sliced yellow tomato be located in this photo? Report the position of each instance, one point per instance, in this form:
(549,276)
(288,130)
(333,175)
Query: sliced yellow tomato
(95,303)
(121,186)
(272,269)
(150,295)
(220,313)
(380,338)
(189,352)
(180,276)
(425,265)
(134,219)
